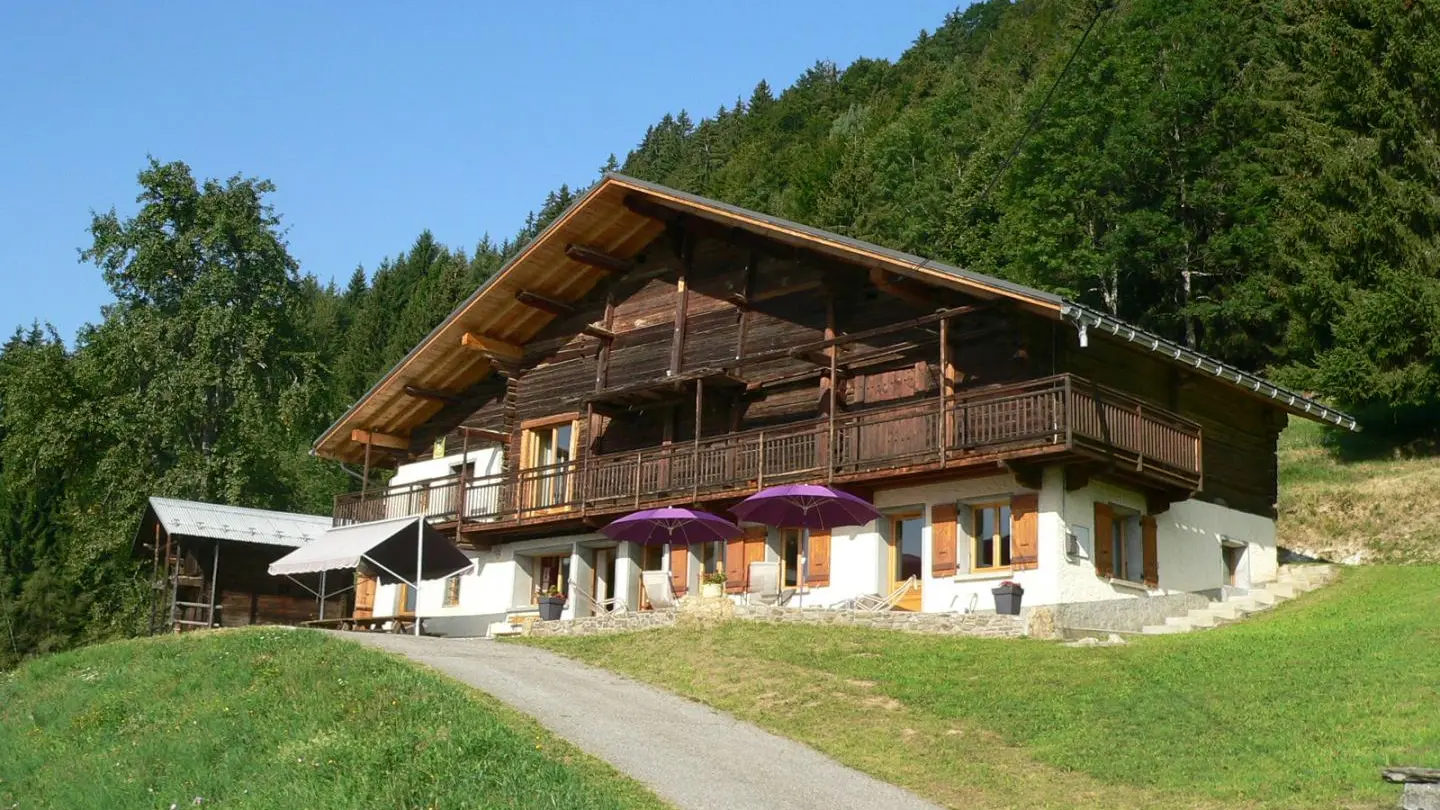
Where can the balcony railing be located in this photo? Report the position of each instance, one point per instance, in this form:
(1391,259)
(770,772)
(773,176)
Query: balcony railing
(1054,414)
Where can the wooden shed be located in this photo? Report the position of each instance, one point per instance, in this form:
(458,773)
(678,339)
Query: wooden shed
(209,565)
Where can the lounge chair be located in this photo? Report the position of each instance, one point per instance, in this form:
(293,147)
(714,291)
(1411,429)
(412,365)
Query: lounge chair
(597,606)
(658,590)
(763,587)
(875,603)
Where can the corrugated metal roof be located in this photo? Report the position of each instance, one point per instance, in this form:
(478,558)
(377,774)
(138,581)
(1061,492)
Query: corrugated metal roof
(238,523)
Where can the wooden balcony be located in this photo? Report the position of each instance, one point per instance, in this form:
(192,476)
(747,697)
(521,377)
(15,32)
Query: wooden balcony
(1060,416)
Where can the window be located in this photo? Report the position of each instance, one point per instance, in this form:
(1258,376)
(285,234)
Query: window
(437,450)
(552,572)
(405,600)
(712,556)
(990,528)
(452,591)
(1127,555)
(548,449)
(906,532)
(790,540)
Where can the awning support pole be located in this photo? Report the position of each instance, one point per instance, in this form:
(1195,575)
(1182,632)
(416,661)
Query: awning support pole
(419,563)
(322,595)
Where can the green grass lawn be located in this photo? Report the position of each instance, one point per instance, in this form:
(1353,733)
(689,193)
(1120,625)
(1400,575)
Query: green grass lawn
(270,718)
(1299,707)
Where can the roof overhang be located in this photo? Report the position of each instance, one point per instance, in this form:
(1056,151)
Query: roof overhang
(616,219)
(391,547)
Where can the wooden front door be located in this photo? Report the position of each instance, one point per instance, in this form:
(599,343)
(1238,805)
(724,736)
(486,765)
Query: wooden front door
(906,557)
(364,596)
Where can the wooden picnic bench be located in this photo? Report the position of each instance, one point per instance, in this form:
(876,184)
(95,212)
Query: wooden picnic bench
(366,624)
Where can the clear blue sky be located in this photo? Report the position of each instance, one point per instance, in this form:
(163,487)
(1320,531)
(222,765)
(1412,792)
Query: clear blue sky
(374,120)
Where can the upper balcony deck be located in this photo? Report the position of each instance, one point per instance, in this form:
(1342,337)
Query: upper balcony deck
(1056,416)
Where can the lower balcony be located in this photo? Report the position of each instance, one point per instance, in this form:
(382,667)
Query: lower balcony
(1054,416)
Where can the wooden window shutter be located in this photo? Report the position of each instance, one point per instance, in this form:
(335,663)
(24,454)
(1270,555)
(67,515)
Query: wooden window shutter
(818,559)
(755,537)
(942,540)
(679,569)
(364,596)
(1025,531)
(735,564)
(1104,530)
(1150,551)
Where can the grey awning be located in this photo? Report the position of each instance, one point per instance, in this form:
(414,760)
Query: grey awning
(389,546)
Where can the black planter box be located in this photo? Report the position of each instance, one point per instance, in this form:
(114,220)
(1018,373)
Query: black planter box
(1007,599)
(550,607)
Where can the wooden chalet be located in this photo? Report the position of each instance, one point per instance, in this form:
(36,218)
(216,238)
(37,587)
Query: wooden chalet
(651,347)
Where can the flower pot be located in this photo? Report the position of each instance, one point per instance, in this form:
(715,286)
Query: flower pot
(711,590)
(550,607)
(1007,599)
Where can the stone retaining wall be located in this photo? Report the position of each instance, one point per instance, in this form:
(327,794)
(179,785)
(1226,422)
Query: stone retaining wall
(603,624)
(987,625)
(696,612)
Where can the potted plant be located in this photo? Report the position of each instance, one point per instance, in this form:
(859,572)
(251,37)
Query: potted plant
(1007,598)
(712,585)
(551,603)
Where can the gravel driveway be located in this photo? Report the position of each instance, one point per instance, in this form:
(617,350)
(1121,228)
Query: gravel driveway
(693,756)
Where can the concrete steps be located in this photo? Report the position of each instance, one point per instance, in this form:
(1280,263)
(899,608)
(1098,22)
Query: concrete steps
(1292,580)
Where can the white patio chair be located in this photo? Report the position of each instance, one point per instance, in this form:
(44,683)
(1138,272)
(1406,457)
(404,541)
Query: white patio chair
(763,587)
(597,606)
(875,603)
(658,590)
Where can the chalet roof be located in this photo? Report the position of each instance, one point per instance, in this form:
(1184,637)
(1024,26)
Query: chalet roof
(618,217)
(215,521)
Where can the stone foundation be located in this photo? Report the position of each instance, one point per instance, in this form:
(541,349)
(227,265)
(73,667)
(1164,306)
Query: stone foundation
(986,625)
(603,624)
(695,612)
(1126,615)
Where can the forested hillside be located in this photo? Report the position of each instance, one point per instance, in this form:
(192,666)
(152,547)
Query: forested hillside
(1257,178)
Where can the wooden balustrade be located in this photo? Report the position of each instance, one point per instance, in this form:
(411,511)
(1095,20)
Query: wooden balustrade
(1062,412)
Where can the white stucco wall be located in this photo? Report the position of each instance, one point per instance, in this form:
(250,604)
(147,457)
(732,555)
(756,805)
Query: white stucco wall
(1187,538)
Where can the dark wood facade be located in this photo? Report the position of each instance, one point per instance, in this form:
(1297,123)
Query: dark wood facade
(707,365)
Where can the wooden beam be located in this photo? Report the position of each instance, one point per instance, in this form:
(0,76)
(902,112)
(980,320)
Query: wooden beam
(897,289)
(432,395)
(595,330)
(599,259)
(841,340)
(495,347)
(544,303)
(682,301)
(486,434)
(381,440)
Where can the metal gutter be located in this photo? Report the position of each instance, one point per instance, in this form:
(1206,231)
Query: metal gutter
(1084,318)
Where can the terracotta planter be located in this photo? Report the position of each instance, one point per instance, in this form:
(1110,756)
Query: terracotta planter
(550,607)
(1007,599)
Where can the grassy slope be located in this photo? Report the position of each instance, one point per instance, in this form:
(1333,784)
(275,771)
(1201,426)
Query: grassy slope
(1297,708)
(275,718)
(1387,509)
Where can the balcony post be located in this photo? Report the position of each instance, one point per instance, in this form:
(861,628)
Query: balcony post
(464,480)
(942,430)
(760,462)
(695,448)
(1069,415)
(365,475)
(639,467)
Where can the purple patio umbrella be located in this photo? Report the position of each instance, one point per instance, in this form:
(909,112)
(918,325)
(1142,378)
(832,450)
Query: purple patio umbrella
(805,506)
(672,525)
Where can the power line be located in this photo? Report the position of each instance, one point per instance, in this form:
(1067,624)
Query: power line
(1101,7)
